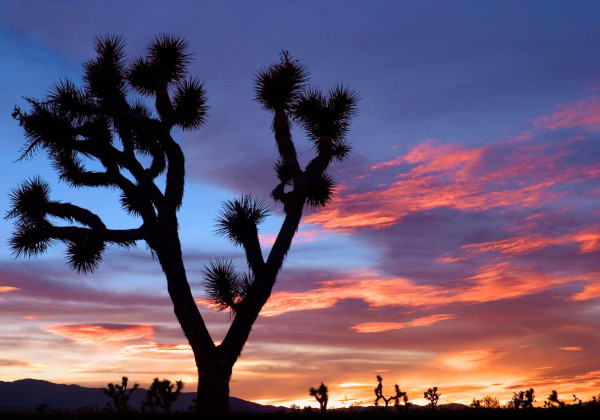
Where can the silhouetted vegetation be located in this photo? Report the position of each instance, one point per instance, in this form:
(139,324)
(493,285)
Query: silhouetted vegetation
(321,394)
(553,399)
(433,396)
(120,394)
(522,399)
(162,394)
(102,121)
(400,395)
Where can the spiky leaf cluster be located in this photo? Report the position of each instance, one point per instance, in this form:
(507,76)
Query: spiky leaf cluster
(278,86)
(165,62)
(104,76)
(28,205)
(326,119)
(240,217)
(320,190)
(189,104)
(224,286)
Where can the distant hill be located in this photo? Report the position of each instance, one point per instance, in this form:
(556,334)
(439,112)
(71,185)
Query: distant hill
(26,394)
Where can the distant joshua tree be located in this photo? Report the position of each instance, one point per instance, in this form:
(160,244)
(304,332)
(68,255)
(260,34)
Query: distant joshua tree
(162,394)
(490,402)
(322,396)
(577,400)
(433,396)
(522,399)
(120,394)
(475,404)
(553,399)
(400,395)
(101,123)
(595,402)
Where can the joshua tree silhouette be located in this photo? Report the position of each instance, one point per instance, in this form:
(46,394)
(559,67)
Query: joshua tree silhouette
(161,394)
(98,122)
(523,399)
(433,396)
(396,398)
(553,399)
(120,394)
(322,396)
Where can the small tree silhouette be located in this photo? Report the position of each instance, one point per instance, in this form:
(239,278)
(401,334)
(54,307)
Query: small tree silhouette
(595,402)
(133,144)
(476,403)
(523,399)
(433,396)
(161,394)
(400,395)
(120,394)
(577,400)
(490,402)
(553,399)
(322,396)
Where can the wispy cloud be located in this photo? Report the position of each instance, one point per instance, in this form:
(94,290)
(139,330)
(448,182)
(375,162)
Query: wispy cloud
(583,113)
(374,327)
(92,334)
(430,176)
(492,283)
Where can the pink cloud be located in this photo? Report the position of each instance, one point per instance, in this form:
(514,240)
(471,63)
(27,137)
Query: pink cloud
(6,289)
(159,350)
(92,334)
(583,113)
(588,241)
(457,177)
(374,327)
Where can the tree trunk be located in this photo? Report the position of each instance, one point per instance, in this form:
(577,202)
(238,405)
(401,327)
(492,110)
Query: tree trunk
(212,396)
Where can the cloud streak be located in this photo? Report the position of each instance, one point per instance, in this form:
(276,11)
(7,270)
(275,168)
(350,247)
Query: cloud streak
(375,327)
(93,334)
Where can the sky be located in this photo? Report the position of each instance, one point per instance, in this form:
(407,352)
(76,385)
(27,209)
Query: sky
(461,249)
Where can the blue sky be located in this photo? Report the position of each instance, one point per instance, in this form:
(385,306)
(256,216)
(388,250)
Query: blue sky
(461,250)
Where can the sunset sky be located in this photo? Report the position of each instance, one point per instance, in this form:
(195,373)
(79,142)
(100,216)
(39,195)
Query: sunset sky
(462,249)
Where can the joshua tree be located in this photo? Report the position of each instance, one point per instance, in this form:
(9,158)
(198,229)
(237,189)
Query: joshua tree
(322,396)
(523,399)
(120,394)
(476,403)
(553,399)
(400,395)
(433,396)
(491,402)
(99,122)
(162,395)
(577,400)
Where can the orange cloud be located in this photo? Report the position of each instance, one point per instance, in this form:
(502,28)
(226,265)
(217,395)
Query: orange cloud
(493,282)
(470,360)
(571,348)
(582,113)
(588,240)
(373,327)
(92,334)
(590,291)
(153,348)
(6,289)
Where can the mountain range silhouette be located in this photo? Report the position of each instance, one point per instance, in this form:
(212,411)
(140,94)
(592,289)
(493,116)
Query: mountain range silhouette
(26,394)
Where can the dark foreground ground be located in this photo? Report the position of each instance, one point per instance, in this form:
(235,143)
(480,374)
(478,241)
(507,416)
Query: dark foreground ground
(574,413)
